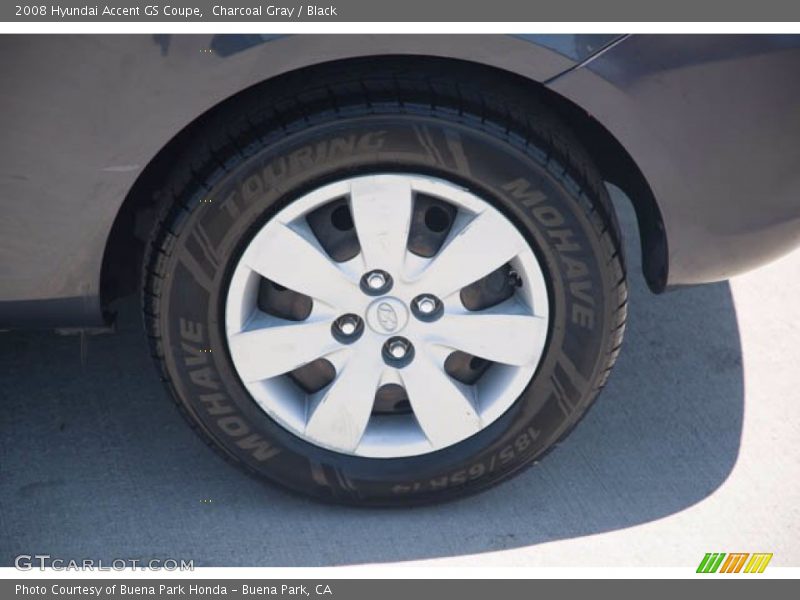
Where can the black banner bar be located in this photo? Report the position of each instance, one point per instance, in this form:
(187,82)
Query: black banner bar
(400,10)
(370,589)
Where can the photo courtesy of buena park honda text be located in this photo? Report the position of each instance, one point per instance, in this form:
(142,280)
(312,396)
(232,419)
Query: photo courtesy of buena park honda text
(361,298)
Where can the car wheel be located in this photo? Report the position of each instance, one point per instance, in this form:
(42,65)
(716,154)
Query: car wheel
(384,286)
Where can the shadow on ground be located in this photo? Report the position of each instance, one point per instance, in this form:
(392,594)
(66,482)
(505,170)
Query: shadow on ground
(96,463)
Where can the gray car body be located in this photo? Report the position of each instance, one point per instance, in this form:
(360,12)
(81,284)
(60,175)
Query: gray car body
(710,125)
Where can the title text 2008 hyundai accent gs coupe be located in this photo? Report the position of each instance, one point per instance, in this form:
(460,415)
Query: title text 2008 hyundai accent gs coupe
(385,270)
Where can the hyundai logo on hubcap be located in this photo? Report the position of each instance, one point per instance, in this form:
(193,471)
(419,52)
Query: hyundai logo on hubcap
(387,317)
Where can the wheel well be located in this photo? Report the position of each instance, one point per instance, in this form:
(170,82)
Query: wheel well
(120,274)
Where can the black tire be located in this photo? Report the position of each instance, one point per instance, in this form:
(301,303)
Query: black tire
(483,133)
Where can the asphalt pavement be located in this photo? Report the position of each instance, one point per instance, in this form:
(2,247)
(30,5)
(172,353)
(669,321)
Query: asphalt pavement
(692,448)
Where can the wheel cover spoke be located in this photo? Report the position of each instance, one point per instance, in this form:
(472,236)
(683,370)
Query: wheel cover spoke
(272,347)
(443,407)
(295,260)
(342,411)
(501,334)
(381,209)
(467,257)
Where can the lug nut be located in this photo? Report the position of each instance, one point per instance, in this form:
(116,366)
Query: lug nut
(376,283)
(398,349)
(347,328)
(398,352)
(427,307)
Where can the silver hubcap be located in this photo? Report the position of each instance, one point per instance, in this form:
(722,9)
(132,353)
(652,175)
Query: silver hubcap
(400,339)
